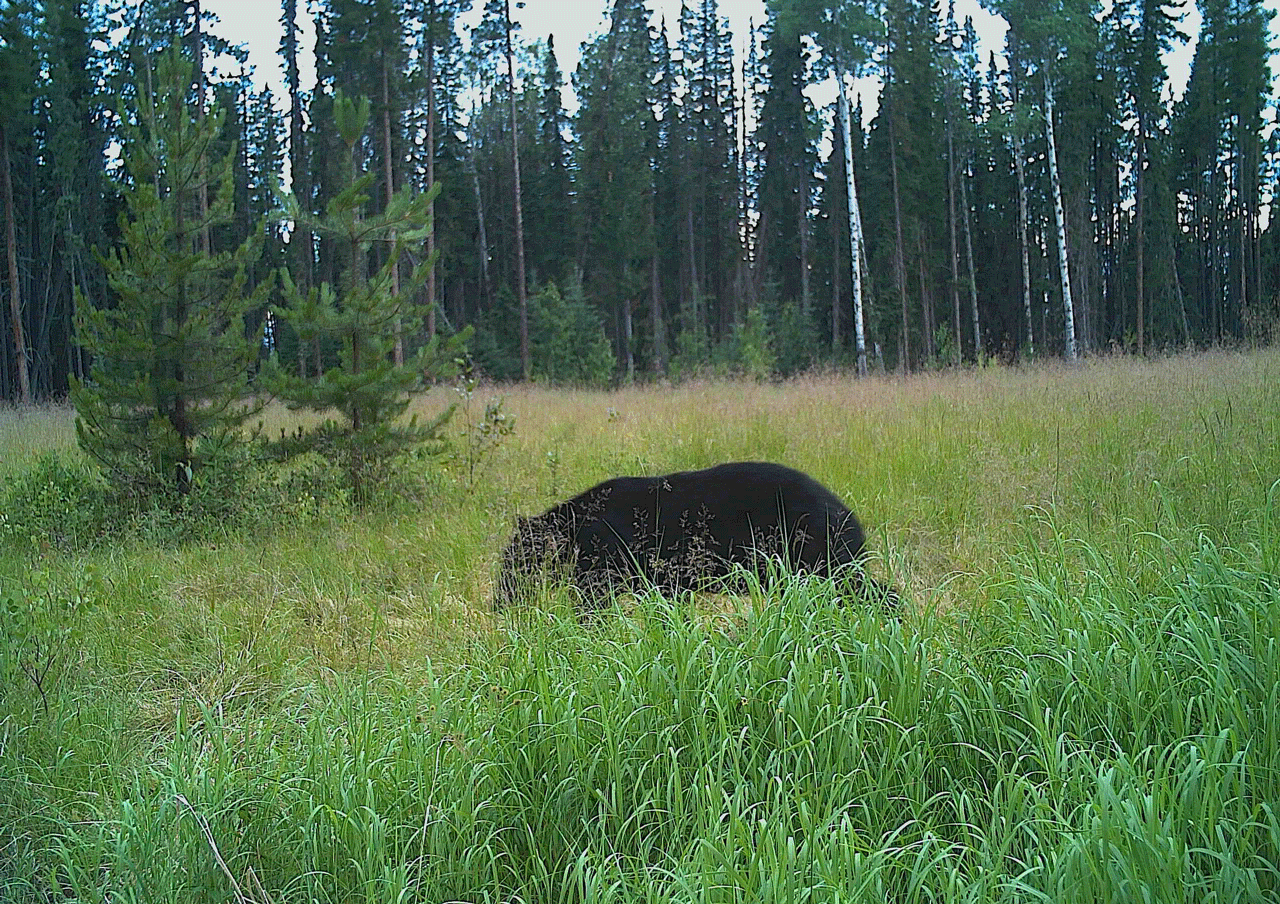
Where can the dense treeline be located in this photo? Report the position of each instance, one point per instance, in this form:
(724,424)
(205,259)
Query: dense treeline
(693,210)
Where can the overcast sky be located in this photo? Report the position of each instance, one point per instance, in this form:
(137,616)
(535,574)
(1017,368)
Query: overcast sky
(256,24)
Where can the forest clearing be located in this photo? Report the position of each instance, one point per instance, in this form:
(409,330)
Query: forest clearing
(313,702)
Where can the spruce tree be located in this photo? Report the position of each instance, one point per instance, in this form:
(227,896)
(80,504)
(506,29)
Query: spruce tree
(1217,137)
(789,161)
(172,357)
(1147,30)
(615,124)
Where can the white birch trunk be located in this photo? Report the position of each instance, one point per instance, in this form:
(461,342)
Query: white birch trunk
(855,227)
(1068,309)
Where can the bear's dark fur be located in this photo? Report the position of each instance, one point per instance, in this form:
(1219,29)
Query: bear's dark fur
(685,530)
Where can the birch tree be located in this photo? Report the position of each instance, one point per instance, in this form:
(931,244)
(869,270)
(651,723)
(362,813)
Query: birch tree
(845,33)
(855,232)
(1060,220)
(1044,36)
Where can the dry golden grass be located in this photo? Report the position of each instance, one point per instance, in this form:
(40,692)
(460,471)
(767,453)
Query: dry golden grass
(27,433)
(947,470)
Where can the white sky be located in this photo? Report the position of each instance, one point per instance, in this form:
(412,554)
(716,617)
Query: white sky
(256,24)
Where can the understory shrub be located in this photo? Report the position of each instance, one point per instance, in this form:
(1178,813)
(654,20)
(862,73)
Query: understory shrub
(65,504)
(58,503)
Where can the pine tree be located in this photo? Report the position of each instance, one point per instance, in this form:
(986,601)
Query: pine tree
(663,208)
(301,247)
(171,360)
(438,52)
(713,245)
(73,187)
(550,213)
(362,313)
(846,33)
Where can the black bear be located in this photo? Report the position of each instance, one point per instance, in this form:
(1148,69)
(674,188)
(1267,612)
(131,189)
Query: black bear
(685,530)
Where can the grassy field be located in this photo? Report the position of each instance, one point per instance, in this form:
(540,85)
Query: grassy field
(1080,702)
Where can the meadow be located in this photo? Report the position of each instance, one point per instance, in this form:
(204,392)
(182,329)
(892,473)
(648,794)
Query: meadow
(1079,702)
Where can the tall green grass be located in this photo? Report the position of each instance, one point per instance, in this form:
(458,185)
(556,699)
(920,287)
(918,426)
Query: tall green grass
(1095,745)
(1080,702)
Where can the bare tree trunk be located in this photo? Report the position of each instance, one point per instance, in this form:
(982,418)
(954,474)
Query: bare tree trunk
(762,249)
(389,178)
(695,289)
(973,278)
(926,300)
(1177,288)
(203,191)
(177,405)
(835,291)
(1141,223)
(486,284)
(526,362)
(1213,258)
(1068,309)
(15,284)
(803,227)
(899,252)
(1019,156)
(628,327)
(655,297)
(431,174)
(1044,315)
(1255,235)
(746,279)
(1022,240)
(300,243)
(955,256)
(855,234)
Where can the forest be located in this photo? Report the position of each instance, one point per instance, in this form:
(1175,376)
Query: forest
(326,346)
(1049,197)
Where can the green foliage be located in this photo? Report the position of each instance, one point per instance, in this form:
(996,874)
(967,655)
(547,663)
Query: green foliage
(62,504)
(944,343)
(482,434)
(369,315)
(172,356)
(567,343)
(754,346)
(310,488)
(692,354)
(57,504)
(795,338)
(41,637)
(772,340)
